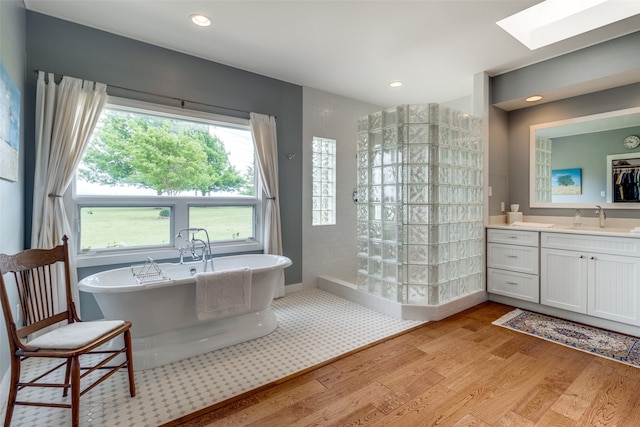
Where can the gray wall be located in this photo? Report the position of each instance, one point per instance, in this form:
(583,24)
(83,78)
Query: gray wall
(591,69)
(62,47)
(498,153)
(12,55)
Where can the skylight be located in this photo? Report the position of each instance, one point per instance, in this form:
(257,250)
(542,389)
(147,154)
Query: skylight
(555,20)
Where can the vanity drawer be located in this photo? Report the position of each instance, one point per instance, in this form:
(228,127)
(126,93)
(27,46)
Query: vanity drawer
(590,243)
(516,285)
(523,259)
(513,237)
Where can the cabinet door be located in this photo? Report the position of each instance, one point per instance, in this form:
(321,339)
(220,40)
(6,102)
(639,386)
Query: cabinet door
(563,279)
(613,288)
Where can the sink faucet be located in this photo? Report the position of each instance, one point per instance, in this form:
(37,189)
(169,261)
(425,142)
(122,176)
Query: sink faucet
(602,216)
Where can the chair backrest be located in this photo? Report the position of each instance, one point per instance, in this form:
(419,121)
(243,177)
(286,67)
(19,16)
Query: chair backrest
(37,275)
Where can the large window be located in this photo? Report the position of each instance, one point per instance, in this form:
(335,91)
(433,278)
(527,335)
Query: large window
(150,171)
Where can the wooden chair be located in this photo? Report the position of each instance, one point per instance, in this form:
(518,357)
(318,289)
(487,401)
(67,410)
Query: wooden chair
(34,271)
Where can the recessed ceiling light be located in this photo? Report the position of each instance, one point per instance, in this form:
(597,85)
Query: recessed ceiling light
(533,98)
(200,20)
(552,21)
(395,84)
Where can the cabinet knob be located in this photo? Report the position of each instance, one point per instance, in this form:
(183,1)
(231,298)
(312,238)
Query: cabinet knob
(581,256)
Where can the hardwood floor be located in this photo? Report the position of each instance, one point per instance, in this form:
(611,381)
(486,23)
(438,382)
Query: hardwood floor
(461,371)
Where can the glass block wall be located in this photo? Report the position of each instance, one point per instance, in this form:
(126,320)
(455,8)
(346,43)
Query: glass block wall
(419,231)
(323,167)
(543,170)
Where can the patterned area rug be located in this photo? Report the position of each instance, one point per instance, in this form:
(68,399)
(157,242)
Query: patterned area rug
(610,345)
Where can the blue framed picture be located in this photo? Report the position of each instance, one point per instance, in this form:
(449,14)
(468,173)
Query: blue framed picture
(566,182)
(9,126)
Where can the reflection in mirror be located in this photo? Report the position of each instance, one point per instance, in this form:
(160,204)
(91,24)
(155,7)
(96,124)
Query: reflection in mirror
(572,161)
(623,177)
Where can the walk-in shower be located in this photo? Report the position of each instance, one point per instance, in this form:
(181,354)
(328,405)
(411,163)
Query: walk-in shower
(419,205)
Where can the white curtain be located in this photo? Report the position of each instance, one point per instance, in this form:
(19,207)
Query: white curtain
(66,115)
(265,141)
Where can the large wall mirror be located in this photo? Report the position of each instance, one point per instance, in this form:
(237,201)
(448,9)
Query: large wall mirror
(586,161)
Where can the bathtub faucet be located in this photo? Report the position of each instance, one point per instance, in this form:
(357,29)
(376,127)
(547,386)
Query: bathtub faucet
(192,244)
(194,248)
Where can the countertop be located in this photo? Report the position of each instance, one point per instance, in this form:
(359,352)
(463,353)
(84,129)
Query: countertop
(559,228)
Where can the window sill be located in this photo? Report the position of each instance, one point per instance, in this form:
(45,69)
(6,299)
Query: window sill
(94,259)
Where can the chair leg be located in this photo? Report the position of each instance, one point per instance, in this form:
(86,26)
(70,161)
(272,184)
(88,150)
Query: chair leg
(13,390)
(75,391)
(67,372)
(127,343)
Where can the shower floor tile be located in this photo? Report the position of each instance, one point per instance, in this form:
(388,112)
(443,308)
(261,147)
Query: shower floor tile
(313,326)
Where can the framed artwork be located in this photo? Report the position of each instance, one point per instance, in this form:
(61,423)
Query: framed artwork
(9,126)
(566,182)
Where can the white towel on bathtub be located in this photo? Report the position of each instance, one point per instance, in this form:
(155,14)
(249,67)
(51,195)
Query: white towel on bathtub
(223,293)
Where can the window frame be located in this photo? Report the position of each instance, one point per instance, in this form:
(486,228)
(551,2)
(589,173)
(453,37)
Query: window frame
(179,205)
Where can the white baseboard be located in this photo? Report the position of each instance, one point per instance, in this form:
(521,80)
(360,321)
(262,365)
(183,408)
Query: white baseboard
(439,312)
(295,287)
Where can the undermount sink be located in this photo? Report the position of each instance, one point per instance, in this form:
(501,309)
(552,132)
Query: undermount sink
(594,229)
(527,224)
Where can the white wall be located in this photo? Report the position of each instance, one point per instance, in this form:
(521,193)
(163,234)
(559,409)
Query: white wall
(330,250)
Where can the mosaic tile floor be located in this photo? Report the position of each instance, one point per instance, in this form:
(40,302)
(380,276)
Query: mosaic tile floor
(313,326)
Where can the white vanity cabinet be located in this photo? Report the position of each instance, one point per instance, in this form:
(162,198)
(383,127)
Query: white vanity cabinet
(594,275)
(512,264)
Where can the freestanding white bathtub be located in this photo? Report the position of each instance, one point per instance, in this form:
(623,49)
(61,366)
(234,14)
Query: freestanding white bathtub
(165,327)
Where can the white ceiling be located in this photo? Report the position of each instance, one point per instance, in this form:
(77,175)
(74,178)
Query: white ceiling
(353,48)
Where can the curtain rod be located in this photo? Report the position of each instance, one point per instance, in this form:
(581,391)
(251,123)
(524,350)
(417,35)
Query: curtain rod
(181,100)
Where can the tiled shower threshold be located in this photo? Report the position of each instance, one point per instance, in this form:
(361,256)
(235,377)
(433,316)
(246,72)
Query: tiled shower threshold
(397,310)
